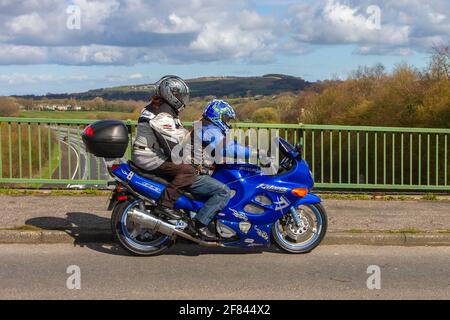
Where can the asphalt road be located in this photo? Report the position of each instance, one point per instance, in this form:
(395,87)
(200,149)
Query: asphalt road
(84,165)
(190,272)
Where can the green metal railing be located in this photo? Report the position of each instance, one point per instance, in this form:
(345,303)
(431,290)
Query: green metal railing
(377,157)
(49,152)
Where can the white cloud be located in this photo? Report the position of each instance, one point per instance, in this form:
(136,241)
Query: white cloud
(29,24)
(133,31)
(12,54)
(173,24)
(20,78)
(406,26)
(23,78)
(136,76)
(126,32)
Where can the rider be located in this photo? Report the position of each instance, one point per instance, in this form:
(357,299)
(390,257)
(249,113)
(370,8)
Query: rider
(159,130)
(209,134)
(214,129)
(214,134)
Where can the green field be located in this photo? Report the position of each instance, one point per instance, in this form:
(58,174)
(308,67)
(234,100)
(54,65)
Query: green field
(24,151)
(94,115)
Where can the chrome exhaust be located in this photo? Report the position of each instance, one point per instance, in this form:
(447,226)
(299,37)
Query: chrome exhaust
(149,221)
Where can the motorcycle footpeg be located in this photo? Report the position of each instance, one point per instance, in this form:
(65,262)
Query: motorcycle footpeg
(209,239)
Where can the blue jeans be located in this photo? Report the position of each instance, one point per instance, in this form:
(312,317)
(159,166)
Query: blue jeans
(216,193)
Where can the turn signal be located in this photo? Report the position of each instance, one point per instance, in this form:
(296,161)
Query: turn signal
(300,192)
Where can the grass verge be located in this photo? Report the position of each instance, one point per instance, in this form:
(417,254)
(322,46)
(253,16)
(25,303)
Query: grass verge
(65,193)
(340,196)
(22,228)
(50,167)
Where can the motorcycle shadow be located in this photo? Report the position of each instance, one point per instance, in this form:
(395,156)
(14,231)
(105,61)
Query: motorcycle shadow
(93,232)
(87,230)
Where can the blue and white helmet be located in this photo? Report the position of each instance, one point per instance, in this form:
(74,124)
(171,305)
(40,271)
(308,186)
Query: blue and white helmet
(219,112)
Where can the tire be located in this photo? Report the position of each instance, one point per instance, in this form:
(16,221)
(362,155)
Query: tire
(136,245)
(308,246)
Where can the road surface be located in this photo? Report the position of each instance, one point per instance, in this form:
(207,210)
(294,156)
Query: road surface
(190,272)
(84,165)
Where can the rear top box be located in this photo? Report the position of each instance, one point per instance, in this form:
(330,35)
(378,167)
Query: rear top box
(106,139)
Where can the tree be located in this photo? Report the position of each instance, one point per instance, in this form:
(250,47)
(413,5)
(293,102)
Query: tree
(73,102)
(266,115)
(439,66)
(378,71)
(27,103)
(245,110)
(285,106)
(8,107)
(98,104)
(435,110)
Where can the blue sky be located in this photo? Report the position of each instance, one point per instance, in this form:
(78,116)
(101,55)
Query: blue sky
(121,42)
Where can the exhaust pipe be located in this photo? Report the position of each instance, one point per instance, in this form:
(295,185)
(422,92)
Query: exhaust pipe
(149,221)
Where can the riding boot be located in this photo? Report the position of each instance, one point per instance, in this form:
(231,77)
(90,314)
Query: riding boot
(205,231)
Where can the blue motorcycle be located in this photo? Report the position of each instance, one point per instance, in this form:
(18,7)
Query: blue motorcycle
(263,208)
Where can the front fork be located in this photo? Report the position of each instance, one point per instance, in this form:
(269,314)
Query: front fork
(297,216)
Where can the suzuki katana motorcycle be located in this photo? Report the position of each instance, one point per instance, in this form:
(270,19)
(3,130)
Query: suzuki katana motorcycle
(263,209)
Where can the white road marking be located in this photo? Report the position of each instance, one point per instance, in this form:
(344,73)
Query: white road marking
(75,140)
(78,160)
(82,153)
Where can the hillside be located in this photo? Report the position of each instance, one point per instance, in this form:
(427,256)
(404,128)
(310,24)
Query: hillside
(201,87)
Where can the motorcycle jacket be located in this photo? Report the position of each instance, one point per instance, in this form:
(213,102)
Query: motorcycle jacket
(209,145)
(159,130)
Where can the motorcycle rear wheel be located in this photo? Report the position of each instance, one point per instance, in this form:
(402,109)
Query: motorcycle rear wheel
(134,239)
(294,239)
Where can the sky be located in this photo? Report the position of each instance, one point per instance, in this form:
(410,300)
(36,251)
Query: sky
(62,46)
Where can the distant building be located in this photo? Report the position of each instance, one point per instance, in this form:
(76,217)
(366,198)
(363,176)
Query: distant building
(46,107)
(63,108)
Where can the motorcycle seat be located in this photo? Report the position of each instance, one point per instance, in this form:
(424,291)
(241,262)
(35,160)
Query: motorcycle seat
(158,179)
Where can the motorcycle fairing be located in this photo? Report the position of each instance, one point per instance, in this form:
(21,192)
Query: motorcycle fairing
(278,189)
(148,188)
(257,235)
(151,189)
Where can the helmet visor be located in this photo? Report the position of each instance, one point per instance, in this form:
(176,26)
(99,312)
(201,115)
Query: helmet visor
(183,97)
(229,121)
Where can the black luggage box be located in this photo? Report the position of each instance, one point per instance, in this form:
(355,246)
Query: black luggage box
(106,139)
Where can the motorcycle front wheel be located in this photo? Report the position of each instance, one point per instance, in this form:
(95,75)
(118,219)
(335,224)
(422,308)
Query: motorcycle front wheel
(132,237)
(305,236)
